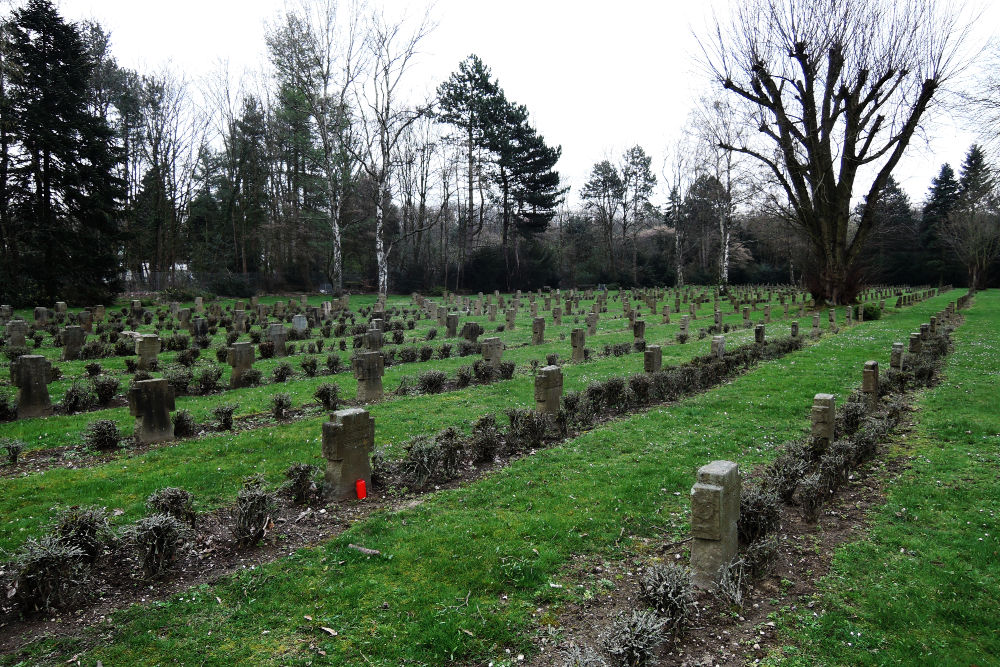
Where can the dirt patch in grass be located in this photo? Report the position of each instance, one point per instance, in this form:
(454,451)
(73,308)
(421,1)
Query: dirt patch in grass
(721,634)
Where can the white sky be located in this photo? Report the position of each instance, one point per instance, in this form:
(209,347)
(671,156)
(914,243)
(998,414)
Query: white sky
(597,76)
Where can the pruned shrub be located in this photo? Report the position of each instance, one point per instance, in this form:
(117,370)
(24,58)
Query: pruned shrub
(282,372)
(309,366)
(760,556)
(668,589)
(812,494)
(483,371)
(432,333)
(328,395)
(428,460)
(484,445)
(408,355)
(177,502)
(581,656)
(431,382)
(444,352)
(300,482)
(14,448)
(188,356)
(85,528)
(334,363)
(265,350)
(682,338)
(47,574)
(95,349)
(78,398)
(280,405)
(157,541)
(760,513)
(552,359)
(506,370)
(105,387)
(12,352)
(251,377)
(102,435)
(208,379)
(224,415)
(786,470)
(463,377)
(466,348)
(528,429)
(252,517)
(178,378)
(633,638)
(184,424)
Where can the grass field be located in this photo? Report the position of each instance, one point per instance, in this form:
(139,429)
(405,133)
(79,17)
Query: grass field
(497,543)
(923,588)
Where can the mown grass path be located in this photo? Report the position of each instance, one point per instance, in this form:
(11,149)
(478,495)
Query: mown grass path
(923,588)
(461,574)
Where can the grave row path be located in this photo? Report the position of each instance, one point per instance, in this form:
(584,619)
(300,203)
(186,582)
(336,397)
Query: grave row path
(67,430)
(923,586)
(462,573)
(213,466)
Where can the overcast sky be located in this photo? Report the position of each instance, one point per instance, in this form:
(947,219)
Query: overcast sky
(597,76)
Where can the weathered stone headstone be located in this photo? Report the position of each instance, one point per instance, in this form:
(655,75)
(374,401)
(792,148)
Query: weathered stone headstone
(758,334)
(557,316)
(896,358)
(718,346)
(73,339)
(537,331)
(548,390)
(373,340)
(31,374)
(914,343)
(199,327)
(471,331)
(592,324)
(199,304)
(147,347)
(652,359)
(511,315)
(348,440)
(684,324)
(241,357)
(492,309)
(451,322)
(184,317)
(136,308)
(715,510)
(368,368)
(795,329)
(824,414)
(17,332)
(815,327)
(639,330)
(86,320)
(240,321)
(492,349)
(150,402)
(578,340)
(300,323)
(869,382)
(41,315)
(278,334)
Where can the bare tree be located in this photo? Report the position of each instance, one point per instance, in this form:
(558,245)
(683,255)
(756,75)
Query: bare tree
(837,87)
(676,174)
(384,117)
(318,48)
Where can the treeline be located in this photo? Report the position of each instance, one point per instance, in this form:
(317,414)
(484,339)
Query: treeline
(323,174)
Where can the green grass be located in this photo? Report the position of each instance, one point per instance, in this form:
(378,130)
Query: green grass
(499,541)
(923,588)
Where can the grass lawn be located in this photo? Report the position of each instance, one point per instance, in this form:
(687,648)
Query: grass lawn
(497,543)
(923,588)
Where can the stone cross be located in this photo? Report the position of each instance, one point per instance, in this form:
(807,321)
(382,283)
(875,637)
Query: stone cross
(896,358)
(492,309)
(592,323)
(548,390)
(557,316)
(373,340)
(240,321)
(17,331)
(666,316)
(31,374)
(824,414)
(241,357)
(538,331)
(200,327)
(914,343)
(718,346)
(451,322)
(684,324)
(652,359)
(578,340)
(368,369)
(715,510)
(533,308)
(278,334)
(492,349)
(471,331)
(639,330)
(150,402)
(147,347)
(73,339)
(869,382)
(758,334)
(348,440)
(511,314)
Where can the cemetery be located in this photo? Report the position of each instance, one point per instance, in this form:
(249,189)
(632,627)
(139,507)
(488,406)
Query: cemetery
(318,347)
(248,455)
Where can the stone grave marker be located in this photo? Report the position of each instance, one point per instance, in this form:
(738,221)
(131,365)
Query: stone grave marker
(31,374)
(824,414)
(578,341)
(73,339)
(147,347)
(278,334)
(492,349)
(652,359)
(548,390)
(715,510)
(368,368)
(241,357)
(151,402)
(348,440)
(537,331)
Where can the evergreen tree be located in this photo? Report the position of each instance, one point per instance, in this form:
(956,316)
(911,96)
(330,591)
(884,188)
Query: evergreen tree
(63,198)
(941,200)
